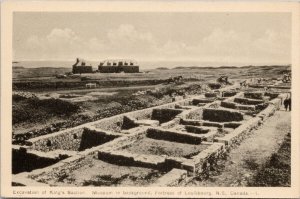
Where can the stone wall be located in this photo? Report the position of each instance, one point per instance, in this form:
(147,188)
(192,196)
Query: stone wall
(220,115)
(27,161)
(254,95)
(92,138)
(174,136)
(69,139)
(76,139)
(164,115)
(229,93)
(247,101)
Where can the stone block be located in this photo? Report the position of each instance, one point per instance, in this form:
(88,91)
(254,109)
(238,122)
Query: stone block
(172,178)
(189,165)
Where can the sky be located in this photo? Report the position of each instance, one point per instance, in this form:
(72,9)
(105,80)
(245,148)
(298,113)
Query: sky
(251,38)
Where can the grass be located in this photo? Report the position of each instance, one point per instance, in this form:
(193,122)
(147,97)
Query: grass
(34,109)
(277,171)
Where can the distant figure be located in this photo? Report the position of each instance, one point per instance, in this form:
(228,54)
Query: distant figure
(290,104)
(287,103)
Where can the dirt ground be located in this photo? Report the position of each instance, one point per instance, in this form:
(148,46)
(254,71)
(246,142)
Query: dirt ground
(95,172)
(250,156)
(162,147)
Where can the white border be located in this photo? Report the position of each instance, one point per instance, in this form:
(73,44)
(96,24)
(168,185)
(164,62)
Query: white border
(7,9)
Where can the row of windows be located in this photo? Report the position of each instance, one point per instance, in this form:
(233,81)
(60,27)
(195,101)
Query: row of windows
(117,64)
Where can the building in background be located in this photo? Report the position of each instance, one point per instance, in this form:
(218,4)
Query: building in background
(81,67)
(118,66)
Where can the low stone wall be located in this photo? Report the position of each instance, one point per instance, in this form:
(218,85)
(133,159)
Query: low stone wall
(226,104)
(201,163)
(211,94)
(69,139)
(247,101)
(91,138)
(195,129)
(131,159)
(77,139)
(246,107)
(204,100)
(254,95)
(190,122)
(165,115)
(23,160)
(174,136)
(220,115)
(214,124)
(229,93)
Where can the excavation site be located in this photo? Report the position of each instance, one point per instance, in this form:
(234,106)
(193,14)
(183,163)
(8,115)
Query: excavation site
(186,140)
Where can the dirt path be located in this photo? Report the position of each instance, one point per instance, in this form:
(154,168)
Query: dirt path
(107,89)
(244,161)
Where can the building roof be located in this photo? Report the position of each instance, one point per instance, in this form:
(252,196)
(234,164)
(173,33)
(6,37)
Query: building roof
(115,62)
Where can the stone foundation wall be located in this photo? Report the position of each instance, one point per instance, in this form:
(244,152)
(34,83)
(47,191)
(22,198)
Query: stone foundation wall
(175,136)
(219,115)
(77,139)
(165,115)
(91,138)
(231,105)
(67,140)
(23,161)
(229,93)
(247,101)
(254,95)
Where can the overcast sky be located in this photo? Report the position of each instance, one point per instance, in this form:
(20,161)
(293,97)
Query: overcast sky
(204,37)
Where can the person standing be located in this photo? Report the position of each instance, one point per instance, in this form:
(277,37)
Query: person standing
(286,103)
(290,103)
